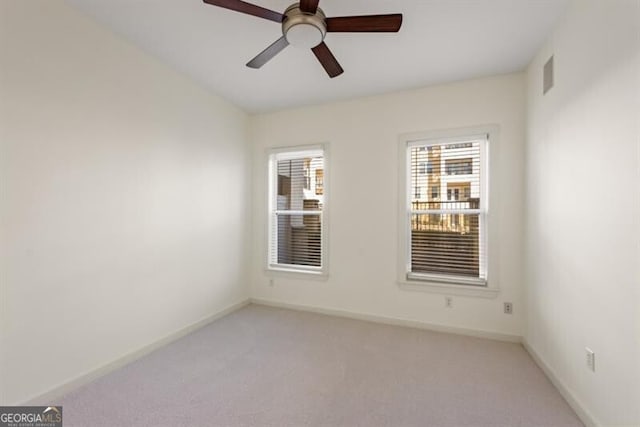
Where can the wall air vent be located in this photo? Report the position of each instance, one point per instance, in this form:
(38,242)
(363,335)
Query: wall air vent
(547,76)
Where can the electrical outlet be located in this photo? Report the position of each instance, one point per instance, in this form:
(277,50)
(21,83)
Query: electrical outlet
(448,302)
(591,359)
(508,308)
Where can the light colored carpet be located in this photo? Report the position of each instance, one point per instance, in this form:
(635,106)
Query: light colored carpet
(263,366)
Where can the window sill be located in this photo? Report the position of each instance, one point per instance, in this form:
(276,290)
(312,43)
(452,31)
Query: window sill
(292,273)
(449,288)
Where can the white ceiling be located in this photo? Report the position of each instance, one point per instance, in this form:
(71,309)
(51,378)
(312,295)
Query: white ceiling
(440,41)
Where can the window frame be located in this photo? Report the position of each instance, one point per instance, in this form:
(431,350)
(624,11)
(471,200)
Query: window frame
(482,287)
(293,152)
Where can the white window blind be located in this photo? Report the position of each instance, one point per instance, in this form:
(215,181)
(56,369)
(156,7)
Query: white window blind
(447,208)
(297,195)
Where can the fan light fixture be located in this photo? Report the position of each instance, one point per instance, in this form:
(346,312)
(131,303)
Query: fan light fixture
(304,29)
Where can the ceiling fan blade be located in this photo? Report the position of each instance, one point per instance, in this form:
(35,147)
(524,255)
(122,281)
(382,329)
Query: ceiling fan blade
(248,8)
(309,6)
(268,54)
(328,61)
(365,24)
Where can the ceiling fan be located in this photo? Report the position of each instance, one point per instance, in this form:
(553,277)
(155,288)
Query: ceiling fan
(305,25)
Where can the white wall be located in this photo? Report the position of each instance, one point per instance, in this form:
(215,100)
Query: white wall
(363,200)
(583,208)
(123,207)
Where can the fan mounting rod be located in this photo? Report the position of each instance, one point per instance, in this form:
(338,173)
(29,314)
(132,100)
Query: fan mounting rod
(302,29)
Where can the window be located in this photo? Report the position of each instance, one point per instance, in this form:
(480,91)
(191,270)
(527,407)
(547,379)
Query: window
(446,240)
(458,166)
(319,182)
(422,168)
(307,177)
(296,207)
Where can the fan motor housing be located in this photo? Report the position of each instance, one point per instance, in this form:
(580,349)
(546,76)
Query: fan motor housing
(303,29)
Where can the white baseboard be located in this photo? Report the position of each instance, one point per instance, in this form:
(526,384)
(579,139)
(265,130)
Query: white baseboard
(583,413)
(58,391)
(391,320)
